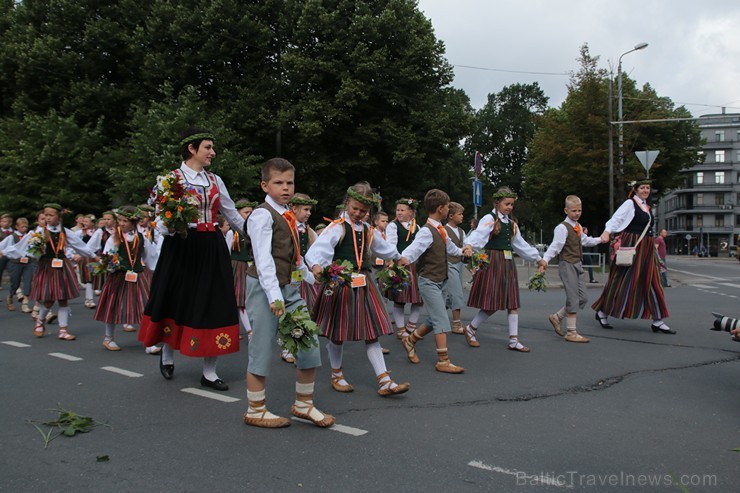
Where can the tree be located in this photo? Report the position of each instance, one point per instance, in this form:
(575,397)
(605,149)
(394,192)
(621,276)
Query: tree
(569,151)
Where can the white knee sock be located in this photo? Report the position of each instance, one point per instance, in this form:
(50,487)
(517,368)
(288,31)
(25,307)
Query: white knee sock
(109,330)
(63,315)
(479,319)
(257,411)
(209,368)
(88,291)
(398,316)
(244,320)
(42,312)
(513,325)
(168,354)
(375,356)
(335,354)
(304,406)
(415,313)
(561,313)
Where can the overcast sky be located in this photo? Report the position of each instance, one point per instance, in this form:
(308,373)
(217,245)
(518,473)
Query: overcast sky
(693,55)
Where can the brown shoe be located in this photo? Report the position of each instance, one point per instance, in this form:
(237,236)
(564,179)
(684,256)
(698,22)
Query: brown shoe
(469,332)
(336,377)
(457,327)
(447,367)
(410,348)
(325,422)
(555,321)
(386,388)
(11,305)
(576,337)
(66,336)
(39,330)
(385,350)
(260,421)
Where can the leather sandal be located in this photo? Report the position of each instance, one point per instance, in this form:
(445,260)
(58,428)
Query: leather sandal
(457,328)
(261,421)
(325,422)
(110,344)
(410,348)
(469,333)
(576,337)
(386,388)
(518,346)
(66,336)
(39,330)
(555,321)
(447,366)
(336,378)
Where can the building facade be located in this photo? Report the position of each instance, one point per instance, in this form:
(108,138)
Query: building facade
(703,216)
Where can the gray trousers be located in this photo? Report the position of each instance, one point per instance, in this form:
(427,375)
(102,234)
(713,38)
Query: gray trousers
(575,288)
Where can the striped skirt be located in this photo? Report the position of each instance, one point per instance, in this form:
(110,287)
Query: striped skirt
(99,281)
(51,284)
(309,292)
(122,302)
(84,270)
(495,287)
(634,291)
(352,314)
(239,269)
(410,294)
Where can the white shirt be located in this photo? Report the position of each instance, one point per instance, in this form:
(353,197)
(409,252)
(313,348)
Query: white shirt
(73,244)
(229,238)
(624,215)
(321,252)
(391,232)
(259,228)
(423,240)
(96,239)
(478,238)
(560,235)
(151,252)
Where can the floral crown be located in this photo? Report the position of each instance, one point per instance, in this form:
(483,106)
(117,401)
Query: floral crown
(413,203)
(127,214)
(637,183)
(192,138)
(504,195)
(361,198)
(301,201)
(242,203)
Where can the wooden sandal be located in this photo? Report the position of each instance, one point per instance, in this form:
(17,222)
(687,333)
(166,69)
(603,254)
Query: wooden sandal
(386,388)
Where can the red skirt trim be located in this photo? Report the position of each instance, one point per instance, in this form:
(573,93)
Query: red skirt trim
(197,343)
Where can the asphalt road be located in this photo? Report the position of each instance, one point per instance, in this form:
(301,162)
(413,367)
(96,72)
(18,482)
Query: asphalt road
(631,411)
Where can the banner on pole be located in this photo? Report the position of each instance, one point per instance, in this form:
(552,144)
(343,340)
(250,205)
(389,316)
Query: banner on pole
(478,164)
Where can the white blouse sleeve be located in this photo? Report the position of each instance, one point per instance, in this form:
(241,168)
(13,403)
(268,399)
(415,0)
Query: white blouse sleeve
(321,253)
(478,238)
(622,217)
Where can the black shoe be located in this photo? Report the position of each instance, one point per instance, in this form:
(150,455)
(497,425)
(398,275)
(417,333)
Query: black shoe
(593,281)
(604,325)
(166,370)
(217,384)
(662,330)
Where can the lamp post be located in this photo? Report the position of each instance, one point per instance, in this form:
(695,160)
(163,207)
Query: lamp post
(638,46)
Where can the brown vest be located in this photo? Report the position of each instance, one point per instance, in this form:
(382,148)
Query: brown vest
(452,233)
(283,250)
(433,263)
(572,251)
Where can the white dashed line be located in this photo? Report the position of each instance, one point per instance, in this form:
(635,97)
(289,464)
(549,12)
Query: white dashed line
(729,284)
(703,286)
(15,344)
(355,432)
(121,371)
(210,395)
(68,357)
(699,275)
(522,476)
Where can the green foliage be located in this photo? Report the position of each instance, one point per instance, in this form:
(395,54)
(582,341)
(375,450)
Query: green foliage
(68,423)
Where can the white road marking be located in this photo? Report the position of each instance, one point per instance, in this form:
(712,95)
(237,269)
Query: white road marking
(703,286)
(520,475)
(355,432)
(210,395)
(15,344)
(121,371)
(68,357)
(729,284)
(698,275)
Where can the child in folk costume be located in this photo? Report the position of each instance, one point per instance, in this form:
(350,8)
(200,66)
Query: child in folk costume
(126,290)
(146,214)
(21,270)
(273,287)
(455,267)
(496,286)
(636,290)
(380,222)
(50,316)
(6,230)
(97,241)
(353,312)
(86,230)
(568,242)
(241,256)
(400,233)
(54,280)
(430,249)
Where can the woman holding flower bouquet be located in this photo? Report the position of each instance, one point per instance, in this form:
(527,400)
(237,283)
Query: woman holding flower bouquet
(349,306)
(54,280)
(495,285)
(192,305)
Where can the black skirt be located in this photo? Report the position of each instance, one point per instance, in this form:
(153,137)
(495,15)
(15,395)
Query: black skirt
(192,305)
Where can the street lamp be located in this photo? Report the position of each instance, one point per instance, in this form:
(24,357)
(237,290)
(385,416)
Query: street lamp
(638,46)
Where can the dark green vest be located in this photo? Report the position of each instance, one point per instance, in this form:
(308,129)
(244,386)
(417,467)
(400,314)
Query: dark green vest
(49,252)
(345,249)
(402,233)
(136,254)
(501,241)
(303,242)
(239,250)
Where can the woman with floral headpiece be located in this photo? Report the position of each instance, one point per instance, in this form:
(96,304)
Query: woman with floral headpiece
(634,291)
(353,310)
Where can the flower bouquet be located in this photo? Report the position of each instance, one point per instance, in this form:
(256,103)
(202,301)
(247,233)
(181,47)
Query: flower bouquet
(296,331)
(36,243)
(394,278)
(478,261)
(176,205)
(109,263)
(335,275)
(537,282)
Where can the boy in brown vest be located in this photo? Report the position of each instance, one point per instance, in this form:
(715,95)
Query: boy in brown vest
(430,249)
(455,297)
(273,286)
(567,244)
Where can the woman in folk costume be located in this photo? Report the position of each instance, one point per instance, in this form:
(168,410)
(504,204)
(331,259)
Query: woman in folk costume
(55,280)
(97,241)
(191,305)
(634,291)
(353,312)
(401,233)
(241,256)
(126,289)
(496,286)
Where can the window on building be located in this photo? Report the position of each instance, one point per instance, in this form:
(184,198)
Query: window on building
(737,156)
(699,199)
(699,177)
(719,199)
(719,156)
(719,221)
(689,222)
(699,220)
(737,198)
(719,136)
(719,177)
